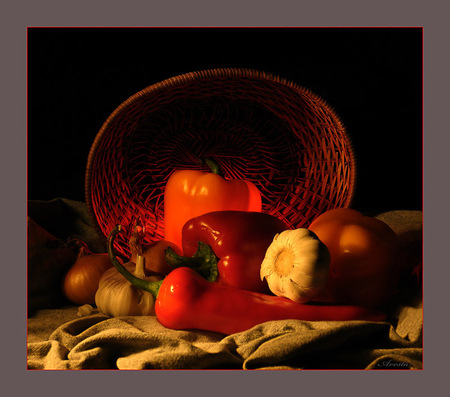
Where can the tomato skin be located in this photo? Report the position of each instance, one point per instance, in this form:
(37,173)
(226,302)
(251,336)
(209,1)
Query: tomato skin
(364,268)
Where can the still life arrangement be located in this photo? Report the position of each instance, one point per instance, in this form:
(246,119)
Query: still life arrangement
(219,204)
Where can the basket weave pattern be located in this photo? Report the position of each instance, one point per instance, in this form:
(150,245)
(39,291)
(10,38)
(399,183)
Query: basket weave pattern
(256,126)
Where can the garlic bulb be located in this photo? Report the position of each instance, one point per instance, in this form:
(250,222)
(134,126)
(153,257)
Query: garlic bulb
(116,296)
(296,265)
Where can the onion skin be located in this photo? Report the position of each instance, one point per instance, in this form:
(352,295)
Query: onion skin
(81,281)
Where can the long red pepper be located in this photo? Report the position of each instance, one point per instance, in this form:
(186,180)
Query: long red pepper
(185,300)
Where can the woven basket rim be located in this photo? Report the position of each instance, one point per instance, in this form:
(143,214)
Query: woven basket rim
(177,80)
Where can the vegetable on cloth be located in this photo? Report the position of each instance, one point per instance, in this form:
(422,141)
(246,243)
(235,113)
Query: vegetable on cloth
(115,295)
(296,265)
(364,263)
(185,300)
(81,281)
(190,193)
(238,238)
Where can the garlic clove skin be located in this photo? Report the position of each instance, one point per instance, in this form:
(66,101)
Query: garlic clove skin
(296,265)
(85,310)
(116,296)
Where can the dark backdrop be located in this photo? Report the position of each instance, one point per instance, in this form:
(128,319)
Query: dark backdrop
(372,77)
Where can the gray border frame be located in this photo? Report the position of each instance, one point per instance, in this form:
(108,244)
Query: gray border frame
(17,15)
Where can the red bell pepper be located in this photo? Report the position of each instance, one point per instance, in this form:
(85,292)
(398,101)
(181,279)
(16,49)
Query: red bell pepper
(239,239)
(185,300)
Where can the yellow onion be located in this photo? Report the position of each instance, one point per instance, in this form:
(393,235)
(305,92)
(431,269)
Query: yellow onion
(81,281)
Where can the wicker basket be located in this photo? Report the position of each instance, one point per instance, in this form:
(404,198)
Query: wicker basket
(257,126)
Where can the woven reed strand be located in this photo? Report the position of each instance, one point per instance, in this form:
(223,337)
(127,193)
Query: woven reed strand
(258,127)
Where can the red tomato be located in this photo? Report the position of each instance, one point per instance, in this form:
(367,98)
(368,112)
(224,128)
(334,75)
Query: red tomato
(363,250)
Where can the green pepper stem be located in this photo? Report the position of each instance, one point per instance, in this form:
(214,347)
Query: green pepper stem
(149,286)
(215,169)
(204,261)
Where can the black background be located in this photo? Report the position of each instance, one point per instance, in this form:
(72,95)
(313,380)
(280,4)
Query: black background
(372,77)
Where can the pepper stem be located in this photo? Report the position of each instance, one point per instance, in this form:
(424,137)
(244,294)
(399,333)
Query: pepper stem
(149,286)
(214,167)
(204,261)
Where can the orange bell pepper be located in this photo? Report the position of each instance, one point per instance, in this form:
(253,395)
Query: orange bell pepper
(191,193)
(364,267)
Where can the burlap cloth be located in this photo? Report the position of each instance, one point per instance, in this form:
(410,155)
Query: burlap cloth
(58,338)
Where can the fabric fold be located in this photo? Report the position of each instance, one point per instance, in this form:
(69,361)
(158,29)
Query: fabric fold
(59,339)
